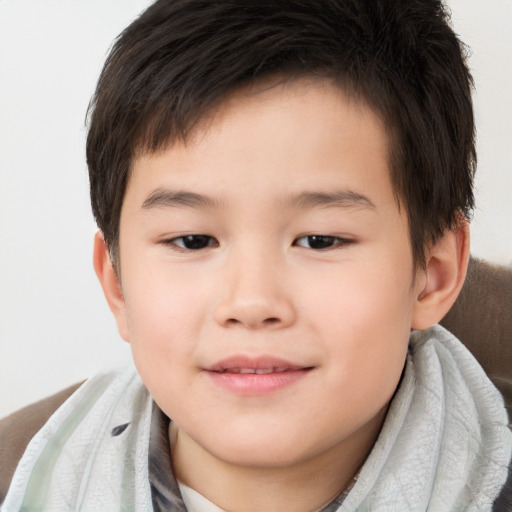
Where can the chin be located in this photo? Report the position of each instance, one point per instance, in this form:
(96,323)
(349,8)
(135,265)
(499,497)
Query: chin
(260,457)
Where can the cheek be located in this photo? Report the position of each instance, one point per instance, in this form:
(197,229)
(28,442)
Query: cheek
(160,301)
(366,319)
(163,322)
(361,298)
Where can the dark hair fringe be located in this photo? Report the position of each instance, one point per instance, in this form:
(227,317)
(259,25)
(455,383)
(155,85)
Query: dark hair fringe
(181,58)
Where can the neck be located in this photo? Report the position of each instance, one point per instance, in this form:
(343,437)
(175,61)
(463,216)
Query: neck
(303,486)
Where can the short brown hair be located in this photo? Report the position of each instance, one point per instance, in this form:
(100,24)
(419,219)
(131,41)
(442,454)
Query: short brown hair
(181,58)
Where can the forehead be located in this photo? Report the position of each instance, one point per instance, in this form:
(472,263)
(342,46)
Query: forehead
(284,137)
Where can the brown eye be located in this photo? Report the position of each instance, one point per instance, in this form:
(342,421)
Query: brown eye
(194,242)
(320,242)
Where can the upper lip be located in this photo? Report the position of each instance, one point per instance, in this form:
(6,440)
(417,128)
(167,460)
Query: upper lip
(259,364)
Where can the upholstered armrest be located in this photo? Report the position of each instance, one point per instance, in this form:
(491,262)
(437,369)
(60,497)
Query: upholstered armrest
(482,319)
(18,429)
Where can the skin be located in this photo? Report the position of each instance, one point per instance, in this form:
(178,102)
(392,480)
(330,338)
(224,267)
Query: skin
(276,165)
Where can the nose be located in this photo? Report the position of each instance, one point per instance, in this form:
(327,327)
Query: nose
(254,296)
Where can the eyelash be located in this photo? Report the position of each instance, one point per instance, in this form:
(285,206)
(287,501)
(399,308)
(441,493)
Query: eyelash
(200,241)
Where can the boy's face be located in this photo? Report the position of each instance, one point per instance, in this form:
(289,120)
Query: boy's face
(270,241)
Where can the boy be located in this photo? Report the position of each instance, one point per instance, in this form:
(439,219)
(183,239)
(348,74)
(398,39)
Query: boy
(283,192)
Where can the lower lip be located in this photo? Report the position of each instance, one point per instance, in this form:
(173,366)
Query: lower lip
(254,384)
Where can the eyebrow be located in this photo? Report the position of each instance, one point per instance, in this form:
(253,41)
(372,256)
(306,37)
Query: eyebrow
(344,198)
(167,198)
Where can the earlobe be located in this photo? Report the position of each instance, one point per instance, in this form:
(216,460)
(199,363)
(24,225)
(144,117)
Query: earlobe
(110,284)
(443,277)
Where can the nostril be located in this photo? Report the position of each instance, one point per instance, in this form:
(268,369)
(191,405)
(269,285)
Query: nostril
(267,321)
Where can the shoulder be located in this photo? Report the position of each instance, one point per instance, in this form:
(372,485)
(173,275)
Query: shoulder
(17,429)
(504,501)
(482,319)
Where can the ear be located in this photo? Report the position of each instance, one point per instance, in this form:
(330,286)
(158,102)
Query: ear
(110,283)
(439,284)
